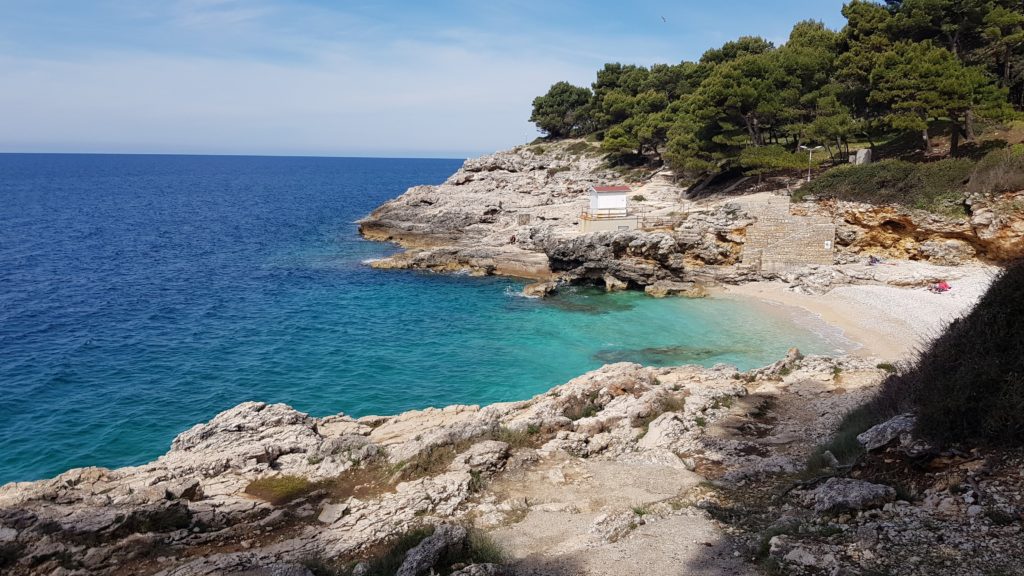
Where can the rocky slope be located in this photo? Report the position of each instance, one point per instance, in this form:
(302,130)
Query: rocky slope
(371,479)
(517,212)
(607,474)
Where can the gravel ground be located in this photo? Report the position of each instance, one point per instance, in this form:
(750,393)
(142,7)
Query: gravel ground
(889,322)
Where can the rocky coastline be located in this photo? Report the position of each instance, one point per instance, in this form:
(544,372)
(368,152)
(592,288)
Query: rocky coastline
(624,470)
(516,213)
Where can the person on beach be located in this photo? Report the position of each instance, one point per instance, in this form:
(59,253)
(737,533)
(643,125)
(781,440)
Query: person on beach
(940,287)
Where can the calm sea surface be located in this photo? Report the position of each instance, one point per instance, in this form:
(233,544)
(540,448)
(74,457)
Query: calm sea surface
(140,295)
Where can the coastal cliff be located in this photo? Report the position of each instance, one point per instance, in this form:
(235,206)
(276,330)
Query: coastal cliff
(516,213)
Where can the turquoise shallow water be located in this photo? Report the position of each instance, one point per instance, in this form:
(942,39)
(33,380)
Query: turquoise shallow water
(140,295)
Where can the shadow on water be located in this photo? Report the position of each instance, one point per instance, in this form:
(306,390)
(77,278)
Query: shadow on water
(664,355)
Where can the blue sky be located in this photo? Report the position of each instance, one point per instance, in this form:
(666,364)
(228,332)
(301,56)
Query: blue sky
(451,79)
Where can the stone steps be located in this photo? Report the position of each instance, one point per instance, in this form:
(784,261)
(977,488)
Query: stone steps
(779,241)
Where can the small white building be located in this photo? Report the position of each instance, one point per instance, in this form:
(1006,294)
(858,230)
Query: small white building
(608,210)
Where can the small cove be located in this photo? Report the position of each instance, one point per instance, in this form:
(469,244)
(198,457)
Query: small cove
(144,294)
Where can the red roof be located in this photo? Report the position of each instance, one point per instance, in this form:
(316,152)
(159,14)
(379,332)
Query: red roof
(612,188)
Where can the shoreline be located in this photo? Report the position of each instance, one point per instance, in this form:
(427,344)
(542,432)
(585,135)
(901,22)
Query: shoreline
(887,322)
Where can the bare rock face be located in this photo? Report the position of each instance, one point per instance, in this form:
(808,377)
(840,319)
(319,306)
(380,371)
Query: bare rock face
(994,230)
(631,257)
(663,288)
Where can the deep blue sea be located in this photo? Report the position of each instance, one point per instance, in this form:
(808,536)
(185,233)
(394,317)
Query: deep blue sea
(140,295)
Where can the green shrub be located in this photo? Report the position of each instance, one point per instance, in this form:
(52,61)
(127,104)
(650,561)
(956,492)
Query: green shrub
(999,171)
(280,489)
(968,385)
(528,437)
(390,558)
(557,169)
(639,198)
(936,186)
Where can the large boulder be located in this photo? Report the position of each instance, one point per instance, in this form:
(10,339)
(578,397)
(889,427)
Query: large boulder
(843,494)
(422,557)
(878,436)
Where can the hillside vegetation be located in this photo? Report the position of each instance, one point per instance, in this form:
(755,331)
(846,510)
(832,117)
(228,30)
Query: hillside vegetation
(933,70)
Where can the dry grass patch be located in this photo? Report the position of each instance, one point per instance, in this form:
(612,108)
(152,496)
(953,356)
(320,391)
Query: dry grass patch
(279,490)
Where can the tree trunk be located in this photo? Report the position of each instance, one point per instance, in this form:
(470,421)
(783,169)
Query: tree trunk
(926,141)
(1006,67)
(969,126)
(954,137)
(750,129)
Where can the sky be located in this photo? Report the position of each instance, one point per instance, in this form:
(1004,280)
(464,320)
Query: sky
(451,78)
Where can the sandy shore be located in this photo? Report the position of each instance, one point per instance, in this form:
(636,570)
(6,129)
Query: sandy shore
(888,322)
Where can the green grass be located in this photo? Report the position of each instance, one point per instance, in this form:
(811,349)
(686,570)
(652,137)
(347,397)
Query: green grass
(528,437)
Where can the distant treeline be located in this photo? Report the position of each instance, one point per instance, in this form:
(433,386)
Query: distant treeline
(901,66)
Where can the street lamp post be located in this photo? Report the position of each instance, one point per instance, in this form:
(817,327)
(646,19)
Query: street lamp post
(810,158)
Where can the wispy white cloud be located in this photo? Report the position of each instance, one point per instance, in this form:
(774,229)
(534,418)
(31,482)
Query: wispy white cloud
(217,13)
(305,77)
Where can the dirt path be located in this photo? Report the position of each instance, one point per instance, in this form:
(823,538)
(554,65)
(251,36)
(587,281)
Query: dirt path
(610,518)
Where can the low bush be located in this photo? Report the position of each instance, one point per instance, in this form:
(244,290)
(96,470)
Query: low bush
(479,548)
(579,147)
(968,385)
(936,186)
(528,437)
(280,489)
(887,366)
(999,171)
(389,558)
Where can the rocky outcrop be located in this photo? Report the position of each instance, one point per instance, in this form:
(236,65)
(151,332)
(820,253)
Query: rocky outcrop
(357,482)
(516,213)
(590,474)
(846,494)
(879,435)
(993,231)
